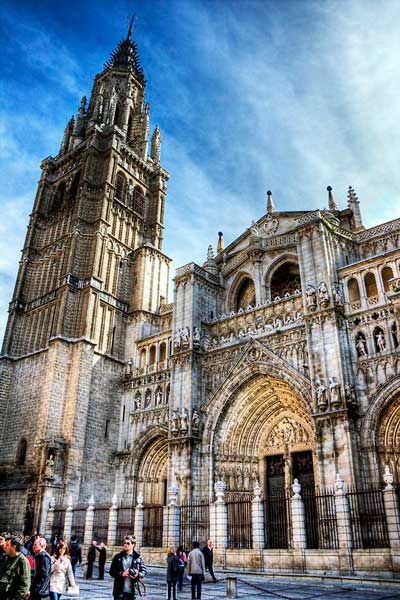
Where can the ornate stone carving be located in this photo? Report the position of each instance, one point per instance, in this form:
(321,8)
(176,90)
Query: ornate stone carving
(311,297)
(323,294)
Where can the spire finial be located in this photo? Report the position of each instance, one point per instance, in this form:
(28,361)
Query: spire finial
(131,22)
(270,203)
(354,206)
(331,200)
(220,245)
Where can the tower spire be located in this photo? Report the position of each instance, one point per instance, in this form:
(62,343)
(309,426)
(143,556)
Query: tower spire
(331,199)
(354,206)
(126,56)
(270,203)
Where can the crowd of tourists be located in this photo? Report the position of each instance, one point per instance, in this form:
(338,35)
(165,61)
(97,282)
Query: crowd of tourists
(31,568)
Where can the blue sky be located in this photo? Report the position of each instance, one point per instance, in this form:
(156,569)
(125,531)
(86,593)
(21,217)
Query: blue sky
(287,95)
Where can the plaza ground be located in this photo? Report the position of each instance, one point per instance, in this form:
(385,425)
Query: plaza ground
(254,587)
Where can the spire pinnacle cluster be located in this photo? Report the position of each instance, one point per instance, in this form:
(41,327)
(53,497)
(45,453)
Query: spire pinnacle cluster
(126,56)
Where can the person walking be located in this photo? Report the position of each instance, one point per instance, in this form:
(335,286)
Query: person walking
(75,552)
(196,569)
(40,586)
(126,566)
(62,575)
(91,557)
(208,552)
(15,573)
(172,573)
(182,557)
(101,548)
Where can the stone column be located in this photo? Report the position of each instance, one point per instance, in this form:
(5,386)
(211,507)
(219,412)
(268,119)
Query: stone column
(68,520)
(112,522)
(345,537)
(392,515)
(88,535)
(50,519)
(171,519)
(257,513)
(139,519)
(221,517)
(298,521)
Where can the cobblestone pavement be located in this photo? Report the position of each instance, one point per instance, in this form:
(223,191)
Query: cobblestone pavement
(252,587)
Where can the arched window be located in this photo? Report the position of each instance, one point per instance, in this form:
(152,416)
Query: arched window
(118,116)
(59,196)
(285,281)
(120,187)
(129,133)
(138,201)
(152,357)
(370,285)
(379,339)
(387,274)
(142,362)
(395,339)
(167,393)
(246,294)
(73,188)
(21,452)
(354,290)
(163,351)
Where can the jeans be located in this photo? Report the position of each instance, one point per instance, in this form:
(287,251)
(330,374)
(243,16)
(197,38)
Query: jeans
(180,578)
(172,589)
(211,571)
(196,586)
(55,596)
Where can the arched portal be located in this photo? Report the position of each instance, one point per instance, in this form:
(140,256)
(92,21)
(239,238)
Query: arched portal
(152,472)
(388,438)
(265,432)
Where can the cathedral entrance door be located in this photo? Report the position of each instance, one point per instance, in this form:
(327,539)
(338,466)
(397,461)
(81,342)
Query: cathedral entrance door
(277,515)
(303,470)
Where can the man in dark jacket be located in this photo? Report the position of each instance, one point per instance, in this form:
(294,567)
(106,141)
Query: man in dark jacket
(126,566)
(91,557)
(102,558)
(15,574)
(40,586)
(75,553)
(208,552)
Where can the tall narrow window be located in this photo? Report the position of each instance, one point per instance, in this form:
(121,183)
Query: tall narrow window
(354,290)
(387,275)
(21,452)
(370,285)
(106,431)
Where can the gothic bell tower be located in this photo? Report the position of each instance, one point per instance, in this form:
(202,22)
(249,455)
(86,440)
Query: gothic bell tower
(92,264)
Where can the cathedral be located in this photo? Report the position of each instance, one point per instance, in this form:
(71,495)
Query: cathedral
(278,359)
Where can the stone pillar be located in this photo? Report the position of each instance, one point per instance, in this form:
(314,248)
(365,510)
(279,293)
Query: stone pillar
(345,537)
(298,521)
(257,514)
(221,517)
(139,519)
(49,519)
(112,522)
(392,514)
(171,519)
(68,520)
(88,535)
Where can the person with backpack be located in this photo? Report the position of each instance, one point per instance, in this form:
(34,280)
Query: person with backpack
(182,558)
(172,573)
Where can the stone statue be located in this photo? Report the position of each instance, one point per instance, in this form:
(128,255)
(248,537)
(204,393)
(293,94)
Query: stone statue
(185,337)
(320,391)
(380,341)
(196,337)
(175,421)
(361,346)
(311,297)
(334,390)
(207,343)
(323,294)
(177,339)
(337,295)
(349,393)
(195,420)
(254,229)
(138,402)
(184,419)
(49,468)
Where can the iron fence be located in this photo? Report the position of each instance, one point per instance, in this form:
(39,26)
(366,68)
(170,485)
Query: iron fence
(239,524)
(58,523)
(78,522)
(100,523)
(125,523)
(194,524)
(368,519)
(320,519)
(153,526)
(278,521)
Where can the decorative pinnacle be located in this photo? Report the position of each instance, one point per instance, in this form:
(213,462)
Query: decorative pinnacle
(351,195)
(131,22)
(331,200)
(220,245)
(270,203)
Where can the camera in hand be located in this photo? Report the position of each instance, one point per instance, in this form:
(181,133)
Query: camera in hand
(133,573)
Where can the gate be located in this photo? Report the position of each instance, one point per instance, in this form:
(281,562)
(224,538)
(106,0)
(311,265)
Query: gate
(125,523)
(100,524)
(320,519)
(368,519)
(58,523)
(240,528)
(153,526)
(78,522)
(194,524)
(278,521)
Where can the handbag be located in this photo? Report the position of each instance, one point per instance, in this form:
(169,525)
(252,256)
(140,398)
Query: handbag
(72,591)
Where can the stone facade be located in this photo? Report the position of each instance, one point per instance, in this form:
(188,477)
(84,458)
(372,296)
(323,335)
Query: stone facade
(278,359)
